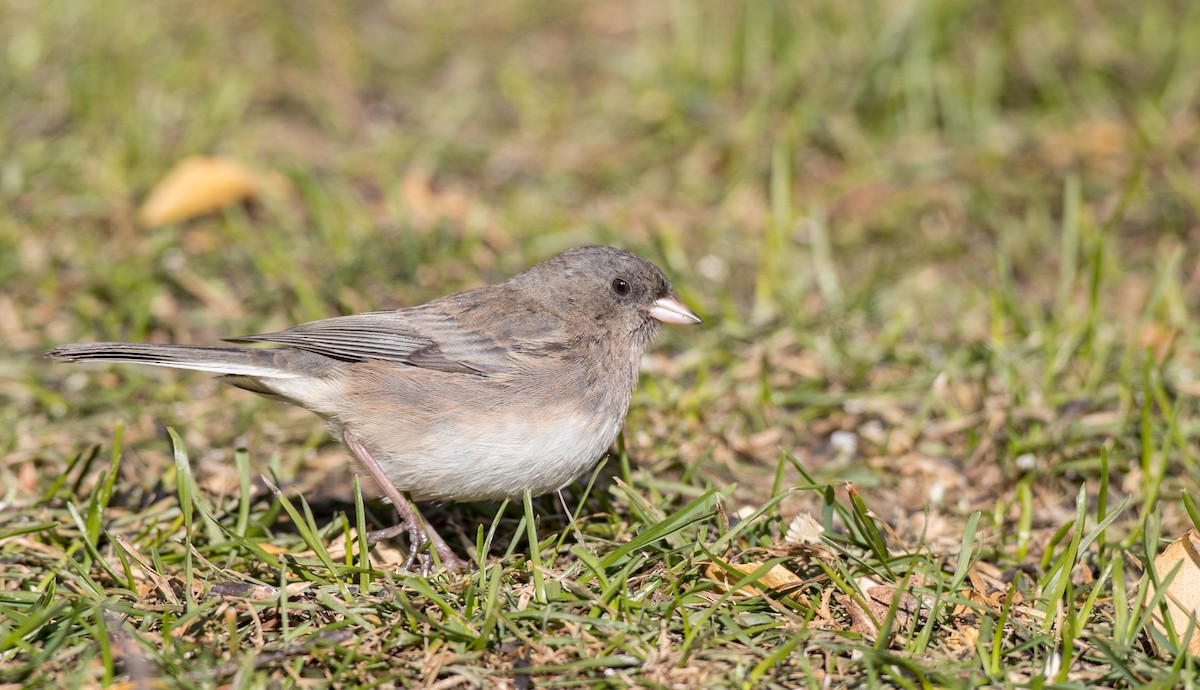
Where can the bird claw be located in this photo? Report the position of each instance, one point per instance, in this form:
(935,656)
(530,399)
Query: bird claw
(426,564)
(418,543)
(422,552)
(423,557)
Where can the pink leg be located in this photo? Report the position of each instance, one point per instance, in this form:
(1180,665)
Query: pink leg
(418,533)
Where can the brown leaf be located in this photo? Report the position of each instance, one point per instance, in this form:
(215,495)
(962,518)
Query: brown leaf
(1183,592)
(778,579)
(160,582)
(244,590)
(860,621)
(1158,340)
(961,640)
(197,186)
(879,599)
(878,602)
(982,592)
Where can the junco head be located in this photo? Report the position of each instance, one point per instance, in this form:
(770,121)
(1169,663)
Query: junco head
(605,288)
(484,394)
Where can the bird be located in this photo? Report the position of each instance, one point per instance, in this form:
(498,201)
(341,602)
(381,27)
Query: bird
(481,395)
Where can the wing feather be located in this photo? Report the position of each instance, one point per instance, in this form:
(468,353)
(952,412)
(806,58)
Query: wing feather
(419,337)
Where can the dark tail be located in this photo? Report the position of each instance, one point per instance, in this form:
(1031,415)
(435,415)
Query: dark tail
(238,361)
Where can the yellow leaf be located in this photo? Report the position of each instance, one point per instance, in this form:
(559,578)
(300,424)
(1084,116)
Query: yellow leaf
(778,579)
(197,186)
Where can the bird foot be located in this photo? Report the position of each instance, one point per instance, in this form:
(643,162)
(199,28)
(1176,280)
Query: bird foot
(420,536)
(419,547)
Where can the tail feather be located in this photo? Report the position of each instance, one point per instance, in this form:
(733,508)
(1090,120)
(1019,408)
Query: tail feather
(236,361)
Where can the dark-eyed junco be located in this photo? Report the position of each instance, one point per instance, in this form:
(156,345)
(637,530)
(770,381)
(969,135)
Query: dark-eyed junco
(479,395)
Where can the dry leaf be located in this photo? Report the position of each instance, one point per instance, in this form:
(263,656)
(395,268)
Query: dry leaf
(1183,592)
(778,579)
(243,590)
(878,600)
(156,580)
(197,186)
(860,621)
(961,641)
(378,550)
(1158,340)
(986,590)
(255,592)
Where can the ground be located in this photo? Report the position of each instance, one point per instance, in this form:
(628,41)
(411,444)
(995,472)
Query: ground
(939,419)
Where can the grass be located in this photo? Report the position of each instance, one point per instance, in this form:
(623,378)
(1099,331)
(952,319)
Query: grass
(946,253)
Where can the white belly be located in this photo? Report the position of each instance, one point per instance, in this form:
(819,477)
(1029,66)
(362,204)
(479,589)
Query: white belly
(500,461)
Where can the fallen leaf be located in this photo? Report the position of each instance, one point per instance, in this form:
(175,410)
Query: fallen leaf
(878,600)
(778,579)
(245,590)
(197,186)
(160,582)
(961,640)
(381,551)
(1183,591)
(860,621)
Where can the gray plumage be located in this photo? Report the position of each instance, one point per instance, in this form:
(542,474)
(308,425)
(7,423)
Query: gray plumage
(478,395)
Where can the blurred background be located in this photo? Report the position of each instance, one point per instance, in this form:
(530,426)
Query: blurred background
(943,248)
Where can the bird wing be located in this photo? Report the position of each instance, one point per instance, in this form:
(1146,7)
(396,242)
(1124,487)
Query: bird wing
(417,337)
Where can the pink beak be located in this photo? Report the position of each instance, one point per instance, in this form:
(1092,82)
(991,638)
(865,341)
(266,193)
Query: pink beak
(671,310)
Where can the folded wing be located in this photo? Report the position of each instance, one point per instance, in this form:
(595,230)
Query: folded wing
(415,337)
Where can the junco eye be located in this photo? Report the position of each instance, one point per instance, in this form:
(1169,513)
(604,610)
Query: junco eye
(620,287)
